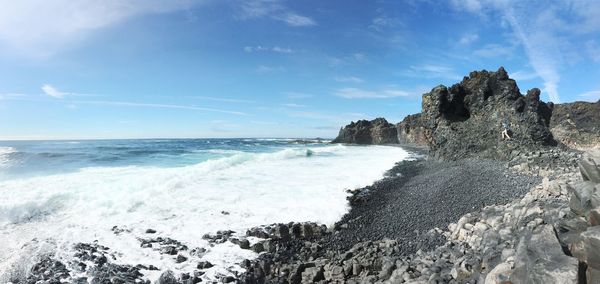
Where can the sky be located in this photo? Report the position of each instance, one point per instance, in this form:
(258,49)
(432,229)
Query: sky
(100,69)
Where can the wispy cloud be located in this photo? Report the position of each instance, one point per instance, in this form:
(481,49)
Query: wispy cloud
(494,50)
(298,95)
(337,118)
(592,96)
(5,96)
(468,38)
(430,71)
(542,32)
(276,49)
(226,100)
(53,92)
(273,9)
(356,57)
(349,79)
(153,105)
(355,93)
(292,105)
(523,75)
(41,28)
(264,69)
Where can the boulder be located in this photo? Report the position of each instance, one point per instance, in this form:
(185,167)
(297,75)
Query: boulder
(377,131)
(577,124)
(466,120)
(540,259)
(588,249)
(589,166)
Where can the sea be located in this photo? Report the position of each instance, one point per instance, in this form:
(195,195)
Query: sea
(54,194)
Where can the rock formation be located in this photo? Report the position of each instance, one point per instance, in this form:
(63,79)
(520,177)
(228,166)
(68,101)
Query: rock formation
(411,130)
(377,131)
(577,124)
(466,119)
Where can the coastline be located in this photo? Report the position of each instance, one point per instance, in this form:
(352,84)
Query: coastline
(415,224)
(405,213)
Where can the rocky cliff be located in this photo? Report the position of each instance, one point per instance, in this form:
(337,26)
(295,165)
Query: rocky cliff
(577,124)
(411,130)
(377,131)
(466,119)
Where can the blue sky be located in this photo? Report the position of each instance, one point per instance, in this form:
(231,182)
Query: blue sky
(269,68)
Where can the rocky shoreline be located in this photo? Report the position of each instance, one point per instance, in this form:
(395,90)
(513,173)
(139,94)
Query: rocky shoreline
(476,209)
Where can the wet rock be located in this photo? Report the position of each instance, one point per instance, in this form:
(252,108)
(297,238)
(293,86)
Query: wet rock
(204,265)
(180,258)
(167,277)
(150,231)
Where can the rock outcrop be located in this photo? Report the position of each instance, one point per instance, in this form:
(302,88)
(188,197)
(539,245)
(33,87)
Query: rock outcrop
(466,120)
(377,131)
(411,130)
(577,124)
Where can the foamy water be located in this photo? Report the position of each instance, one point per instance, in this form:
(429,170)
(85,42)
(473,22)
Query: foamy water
(51,212)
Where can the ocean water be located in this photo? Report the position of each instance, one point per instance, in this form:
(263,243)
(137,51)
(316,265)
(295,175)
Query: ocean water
(57,193)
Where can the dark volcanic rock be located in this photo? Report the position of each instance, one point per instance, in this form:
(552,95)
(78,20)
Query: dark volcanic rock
(377,131)
(577,124)
(411,130)
(466,120)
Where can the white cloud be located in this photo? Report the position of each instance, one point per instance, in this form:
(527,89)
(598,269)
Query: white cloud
(41,28)
(349,79)
(153,105)
(523,75)
(494,50)
(226,100)
(296,20)
(277,49)
(430,71)
(544,31)
(11,96)
(473,6)
(273,9)
(292,105)
(355,93)
(53,92)
(264,69)
(467,39)
(592,96)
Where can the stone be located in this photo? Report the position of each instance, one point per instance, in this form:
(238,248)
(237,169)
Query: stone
(582,197)
(204,265)
(576,124)
(150,231)
(540,259)
(167,277)
(500,274)
(258,247)
(589,247)
(244,244)
(180,258)
(589,166)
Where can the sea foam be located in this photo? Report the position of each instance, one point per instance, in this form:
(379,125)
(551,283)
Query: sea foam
(183,203)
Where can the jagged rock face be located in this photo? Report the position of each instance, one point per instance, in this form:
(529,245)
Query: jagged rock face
(466,119)
(411,131)
(577,124)
(377,131)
